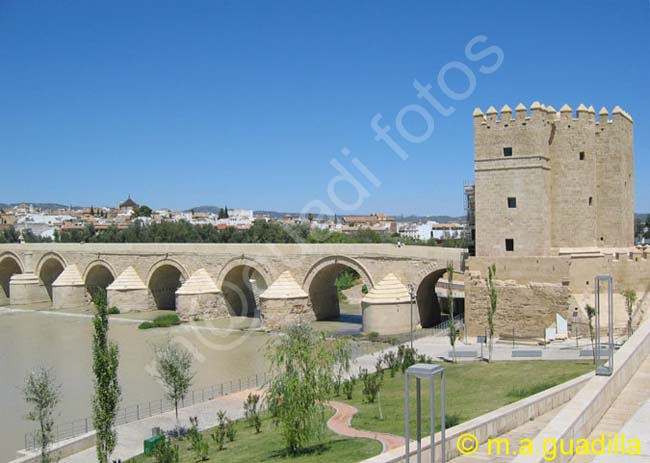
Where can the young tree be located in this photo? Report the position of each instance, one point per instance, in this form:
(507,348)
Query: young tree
(42,394)
(174,368)
(492,271)
(343,356)
(302,367)
(591,313)
(630,299)
(453,334)
(107,395)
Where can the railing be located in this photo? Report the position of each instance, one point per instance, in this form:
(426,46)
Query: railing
(442,328)
(136,412)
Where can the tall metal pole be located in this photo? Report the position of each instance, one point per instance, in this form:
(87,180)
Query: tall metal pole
(411,295)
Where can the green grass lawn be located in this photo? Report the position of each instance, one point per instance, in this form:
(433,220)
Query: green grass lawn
(473,389)
(250,447)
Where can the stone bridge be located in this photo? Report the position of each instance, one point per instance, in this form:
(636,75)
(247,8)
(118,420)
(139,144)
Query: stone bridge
(281,283)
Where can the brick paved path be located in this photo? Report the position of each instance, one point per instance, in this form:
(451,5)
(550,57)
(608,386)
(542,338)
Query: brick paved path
(340,424)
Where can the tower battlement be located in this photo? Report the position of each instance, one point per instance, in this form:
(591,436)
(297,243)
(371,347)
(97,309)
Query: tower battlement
(549,179)
(543,113)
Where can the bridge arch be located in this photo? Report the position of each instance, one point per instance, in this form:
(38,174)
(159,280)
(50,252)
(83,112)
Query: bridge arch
(48,269)
(320,284)
(240,295)
(163,279)
(99,274)
(430,307)
(10,264)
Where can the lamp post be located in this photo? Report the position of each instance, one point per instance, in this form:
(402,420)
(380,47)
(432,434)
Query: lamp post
(411,289)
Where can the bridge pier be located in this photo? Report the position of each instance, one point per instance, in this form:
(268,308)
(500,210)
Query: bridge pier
(69,290)
(387,308)
(27,289)
(285,303)
(200,299)
(128,293)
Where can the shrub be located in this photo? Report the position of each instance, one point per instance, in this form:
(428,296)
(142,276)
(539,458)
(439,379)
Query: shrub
(252,412)
(373,336)
(348,387)
(113,311)
(391,361)
(165,451)
(163,321)
(231,430)
(364,289)
(221,431)
(452,420)
(406,357)
(371,385)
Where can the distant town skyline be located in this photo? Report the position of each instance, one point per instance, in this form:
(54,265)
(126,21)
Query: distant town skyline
(182,103)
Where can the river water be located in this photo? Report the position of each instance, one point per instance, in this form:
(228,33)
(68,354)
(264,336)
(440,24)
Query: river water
(28,339)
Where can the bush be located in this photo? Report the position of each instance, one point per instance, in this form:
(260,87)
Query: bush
(364,289)
(165,451)
(452,420)
(406,356)
(113,311)
(231,430)
(371,385)
(373,336)
(163,321)
(391,361)
(348,387)
(252,412)
(221,431)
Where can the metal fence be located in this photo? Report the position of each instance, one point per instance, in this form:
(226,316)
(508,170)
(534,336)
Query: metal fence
(135,412)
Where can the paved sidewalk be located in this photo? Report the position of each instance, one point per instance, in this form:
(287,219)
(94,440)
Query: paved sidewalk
(130,436)
(341,422)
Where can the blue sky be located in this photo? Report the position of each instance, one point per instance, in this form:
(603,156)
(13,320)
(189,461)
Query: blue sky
(247,103)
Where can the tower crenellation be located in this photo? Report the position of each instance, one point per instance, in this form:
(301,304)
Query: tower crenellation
(548,179)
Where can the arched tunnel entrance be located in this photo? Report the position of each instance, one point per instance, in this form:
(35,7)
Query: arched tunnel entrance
(49,272)
(325,291)
(241,288)
(98,278)
(164,282)
(9,266)
(432,301)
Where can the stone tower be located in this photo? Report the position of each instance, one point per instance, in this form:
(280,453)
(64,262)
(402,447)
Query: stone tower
(549,180)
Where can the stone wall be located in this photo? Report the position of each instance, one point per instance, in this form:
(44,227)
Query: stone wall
(280,313)
(526,308)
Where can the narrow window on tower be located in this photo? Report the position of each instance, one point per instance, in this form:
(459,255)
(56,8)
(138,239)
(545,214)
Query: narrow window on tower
(510,244)
(590,200)
(507,151)
(582,155)
(512,202)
